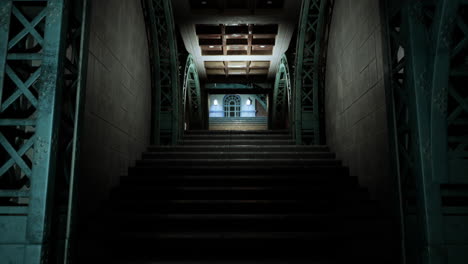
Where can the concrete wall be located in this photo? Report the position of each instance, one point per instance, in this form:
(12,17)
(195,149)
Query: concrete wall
(117,107)
(355,96)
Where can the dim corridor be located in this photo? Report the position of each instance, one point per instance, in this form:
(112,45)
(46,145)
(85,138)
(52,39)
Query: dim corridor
(241,197)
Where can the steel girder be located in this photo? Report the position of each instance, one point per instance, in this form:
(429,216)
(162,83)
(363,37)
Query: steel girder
(41,77)
(282,95)
(165,71)
(74,81)
(308,66)
(428,49)
(262,99)
(191,91)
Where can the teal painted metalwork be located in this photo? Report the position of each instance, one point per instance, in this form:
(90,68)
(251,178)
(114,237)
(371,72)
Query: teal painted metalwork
(262,99)
(426,82)
(191,91)
(76,62)
(282,96)
(306,80)
(228,86)
(165,72)
(42,88)
(30,104)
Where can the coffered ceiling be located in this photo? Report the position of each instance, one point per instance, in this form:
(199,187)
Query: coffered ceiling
(237,68)
(236,37)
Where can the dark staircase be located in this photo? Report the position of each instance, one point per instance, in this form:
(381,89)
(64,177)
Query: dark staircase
(243,197)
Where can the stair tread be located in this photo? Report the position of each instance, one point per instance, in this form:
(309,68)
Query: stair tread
(217,235)
(237,153)
(241,194)
(240,146)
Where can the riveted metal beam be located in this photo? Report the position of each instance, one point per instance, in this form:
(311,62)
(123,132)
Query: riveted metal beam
(30,90)
(424,39)
(191,92)
(165,71)
(282,96)
(306,80)
(41,93)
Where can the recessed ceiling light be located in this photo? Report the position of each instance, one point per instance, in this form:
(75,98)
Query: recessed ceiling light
(211,47)
(262,46)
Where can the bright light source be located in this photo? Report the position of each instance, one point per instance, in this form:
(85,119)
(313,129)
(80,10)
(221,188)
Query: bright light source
(262,46)
(248,102)
(211,47)
(215,102)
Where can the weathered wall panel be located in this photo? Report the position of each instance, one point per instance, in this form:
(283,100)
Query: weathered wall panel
(356,119)
(117,109)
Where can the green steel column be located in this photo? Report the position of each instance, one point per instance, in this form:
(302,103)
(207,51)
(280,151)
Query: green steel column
(307,84)
(32,84)
(47,125)
(152,25)
(79,81)
(164,64)
(174,70)
(191,92)
(298,72)
(281,95)
(428,78)
(428,192)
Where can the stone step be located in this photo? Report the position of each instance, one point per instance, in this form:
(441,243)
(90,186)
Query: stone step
(234,132)
(352,205)
(246,193)
(237,155)
(252,245)
(238,180)
(262,170)
(298,222)
(239,148)
(238,142)
(227,163)
(237,137)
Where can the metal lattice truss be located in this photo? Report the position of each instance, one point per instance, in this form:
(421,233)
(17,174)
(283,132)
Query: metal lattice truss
(430,123)
(74,81)
(191,91)
(262,99)
(164,64)
(457,101)
(282,95)
(307,83)
(30,106)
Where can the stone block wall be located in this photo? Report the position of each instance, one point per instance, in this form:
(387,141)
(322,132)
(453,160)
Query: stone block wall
(118,99)
(356,118)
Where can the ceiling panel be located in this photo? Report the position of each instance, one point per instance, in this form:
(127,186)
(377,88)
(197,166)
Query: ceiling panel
(236,4)
(236,39)
(215,72)
(228,68)
(214,64)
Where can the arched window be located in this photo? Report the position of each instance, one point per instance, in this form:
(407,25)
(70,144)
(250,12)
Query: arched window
(232,104)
